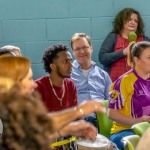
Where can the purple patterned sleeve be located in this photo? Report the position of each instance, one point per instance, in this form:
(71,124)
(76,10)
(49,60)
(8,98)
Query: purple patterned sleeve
(115,98)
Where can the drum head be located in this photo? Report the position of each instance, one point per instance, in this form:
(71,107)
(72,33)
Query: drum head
(101,143)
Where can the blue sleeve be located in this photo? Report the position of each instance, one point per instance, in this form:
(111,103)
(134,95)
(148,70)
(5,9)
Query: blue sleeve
(108,84)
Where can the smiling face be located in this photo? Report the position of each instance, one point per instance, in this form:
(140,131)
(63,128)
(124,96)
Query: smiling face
(82,50)
(131,24)
(62,64)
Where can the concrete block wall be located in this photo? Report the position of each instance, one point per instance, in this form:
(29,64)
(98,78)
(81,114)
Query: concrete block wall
(33,25)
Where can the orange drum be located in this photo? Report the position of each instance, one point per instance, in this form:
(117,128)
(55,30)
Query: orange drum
(101,143)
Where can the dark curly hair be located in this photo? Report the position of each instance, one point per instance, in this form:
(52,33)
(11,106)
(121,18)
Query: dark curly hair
(51,53)
(123,16)
(25,121)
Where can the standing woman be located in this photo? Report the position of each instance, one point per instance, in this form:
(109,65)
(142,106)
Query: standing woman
(129,100)
(114,49)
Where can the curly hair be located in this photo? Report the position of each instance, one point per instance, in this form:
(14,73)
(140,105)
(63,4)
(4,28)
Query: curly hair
(123,16)
(51,53)
(26,125)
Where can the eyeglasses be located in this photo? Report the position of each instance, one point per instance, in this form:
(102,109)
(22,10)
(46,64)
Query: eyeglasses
(84,48)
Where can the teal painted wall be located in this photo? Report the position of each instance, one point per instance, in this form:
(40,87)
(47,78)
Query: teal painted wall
(33,25)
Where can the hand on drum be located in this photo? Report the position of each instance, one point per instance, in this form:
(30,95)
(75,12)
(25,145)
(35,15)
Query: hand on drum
(80,129)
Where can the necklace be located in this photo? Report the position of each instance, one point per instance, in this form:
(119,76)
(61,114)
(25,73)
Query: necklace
(60,99)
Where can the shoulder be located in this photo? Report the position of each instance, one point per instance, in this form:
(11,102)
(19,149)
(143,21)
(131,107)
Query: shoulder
(146,38)
(101,71)
(43,84)
(112,36)
(126,80)
(110,40)
(69,84)
(42,80)
(129,77)
(75,64)
(68,81)
(102,75)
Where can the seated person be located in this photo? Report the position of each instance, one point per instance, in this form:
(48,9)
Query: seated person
(91,81)
(25,123)
(129,100)
(57,89)
(18,69)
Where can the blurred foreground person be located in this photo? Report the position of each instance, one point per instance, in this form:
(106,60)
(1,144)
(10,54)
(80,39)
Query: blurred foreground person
(144,143)
(13,49)
(26,125)
(6,52)
(18,69)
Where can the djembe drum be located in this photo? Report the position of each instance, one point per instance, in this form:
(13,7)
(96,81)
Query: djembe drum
(101,143)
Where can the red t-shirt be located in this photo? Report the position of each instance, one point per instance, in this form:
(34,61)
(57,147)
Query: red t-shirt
(119,67)
(49,98)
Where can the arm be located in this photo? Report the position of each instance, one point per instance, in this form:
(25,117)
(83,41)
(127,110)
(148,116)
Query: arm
(40,90)
(120,100)
(79,128)
(62,118)
(108,83)
(115,115)
(146,38)
(106,54)
(74,94)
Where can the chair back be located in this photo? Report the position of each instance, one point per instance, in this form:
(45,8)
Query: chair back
(104,123)
(130,142)
(140,128)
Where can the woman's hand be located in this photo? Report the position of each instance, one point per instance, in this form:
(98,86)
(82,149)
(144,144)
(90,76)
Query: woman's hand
(145,119)
(126,50)
(62,118)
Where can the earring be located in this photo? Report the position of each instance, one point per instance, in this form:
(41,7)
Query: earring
(138,67)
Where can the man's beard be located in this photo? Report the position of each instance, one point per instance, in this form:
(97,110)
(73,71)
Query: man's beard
(61,75)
